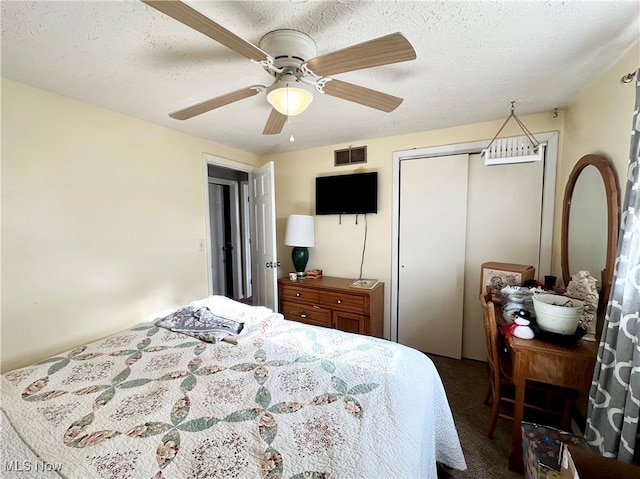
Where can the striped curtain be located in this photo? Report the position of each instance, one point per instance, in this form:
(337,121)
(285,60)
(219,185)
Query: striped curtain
(614,400)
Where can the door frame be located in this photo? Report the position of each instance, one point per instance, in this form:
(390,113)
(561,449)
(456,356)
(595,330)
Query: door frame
(473,147)
(208,159)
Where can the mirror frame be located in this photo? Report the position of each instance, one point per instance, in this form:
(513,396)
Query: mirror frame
(611,190)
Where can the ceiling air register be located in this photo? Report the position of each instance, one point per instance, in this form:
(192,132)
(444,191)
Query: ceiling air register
(518,149)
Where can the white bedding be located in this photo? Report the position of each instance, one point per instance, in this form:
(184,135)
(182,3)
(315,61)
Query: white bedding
(294,402)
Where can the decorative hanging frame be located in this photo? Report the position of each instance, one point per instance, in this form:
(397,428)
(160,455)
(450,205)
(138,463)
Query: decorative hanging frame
(519,149)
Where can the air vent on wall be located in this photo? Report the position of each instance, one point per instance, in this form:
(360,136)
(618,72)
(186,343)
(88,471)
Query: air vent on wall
(350,156)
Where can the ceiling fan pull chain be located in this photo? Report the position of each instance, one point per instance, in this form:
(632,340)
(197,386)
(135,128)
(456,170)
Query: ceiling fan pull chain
(291,138)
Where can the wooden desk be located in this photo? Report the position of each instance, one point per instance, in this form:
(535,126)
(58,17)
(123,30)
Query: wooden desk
(546,362)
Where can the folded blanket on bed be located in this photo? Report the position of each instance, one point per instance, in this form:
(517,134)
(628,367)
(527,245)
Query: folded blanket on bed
(201,323)
(216,317)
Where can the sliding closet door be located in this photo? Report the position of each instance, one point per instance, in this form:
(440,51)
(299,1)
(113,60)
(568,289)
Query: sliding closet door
(432,234)
(503,224)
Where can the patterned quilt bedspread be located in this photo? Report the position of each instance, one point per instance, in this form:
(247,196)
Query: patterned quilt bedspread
(295,402)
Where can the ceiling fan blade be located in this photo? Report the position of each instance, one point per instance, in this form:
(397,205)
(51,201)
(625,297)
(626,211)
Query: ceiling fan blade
(214,103)
(275,123)
(196,20)
(392,48)
(364,96)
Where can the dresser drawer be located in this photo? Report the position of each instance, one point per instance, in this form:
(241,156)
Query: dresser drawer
(350,322)
(347,302)
(307,314)
(295,293)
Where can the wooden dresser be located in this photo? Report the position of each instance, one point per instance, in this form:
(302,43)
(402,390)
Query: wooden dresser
(331,303)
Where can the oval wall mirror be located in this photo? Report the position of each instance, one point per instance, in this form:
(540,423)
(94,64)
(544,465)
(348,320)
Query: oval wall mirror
(590,225)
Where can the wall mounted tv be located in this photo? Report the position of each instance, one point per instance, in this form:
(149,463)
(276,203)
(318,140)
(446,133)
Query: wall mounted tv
(347,194)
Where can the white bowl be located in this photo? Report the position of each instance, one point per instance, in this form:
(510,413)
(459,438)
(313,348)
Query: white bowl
(557,314)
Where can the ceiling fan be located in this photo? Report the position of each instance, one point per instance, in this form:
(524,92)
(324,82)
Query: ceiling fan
(290,57)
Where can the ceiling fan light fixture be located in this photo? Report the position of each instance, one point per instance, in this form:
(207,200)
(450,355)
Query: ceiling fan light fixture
(289,100)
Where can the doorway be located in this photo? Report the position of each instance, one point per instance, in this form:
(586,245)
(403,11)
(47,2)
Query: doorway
(225,223)
(230,259)
(240,206)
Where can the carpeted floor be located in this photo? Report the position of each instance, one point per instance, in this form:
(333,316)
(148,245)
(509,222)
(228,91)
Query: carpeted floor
(465,383)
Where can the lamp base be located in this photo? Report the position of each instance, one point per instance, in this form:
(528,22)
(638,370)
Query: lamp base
(301,275)
(299,256)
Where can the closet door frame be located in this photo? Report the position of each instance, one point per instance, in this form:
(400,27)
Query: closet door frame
(474,147)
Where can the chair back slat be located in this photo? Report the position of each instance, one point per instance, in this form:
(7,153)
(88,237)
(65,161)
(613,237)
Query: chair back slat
(492,336)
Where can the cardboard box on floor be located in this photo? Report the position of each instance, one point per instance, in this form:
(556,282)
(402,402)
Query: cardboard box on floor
(498,275)
(578,463)
(541,447)
(567,466)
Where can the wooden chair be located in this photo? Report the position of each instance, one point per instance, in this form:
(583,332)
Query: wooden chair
(499,366)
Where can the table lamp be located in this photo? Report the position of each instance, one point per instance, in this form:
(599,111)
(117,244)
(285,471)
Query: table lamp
(300,235)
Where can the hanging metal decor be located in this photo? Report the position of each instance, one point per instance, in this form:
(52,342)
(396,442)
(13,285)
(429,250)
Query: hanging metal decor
(518,149)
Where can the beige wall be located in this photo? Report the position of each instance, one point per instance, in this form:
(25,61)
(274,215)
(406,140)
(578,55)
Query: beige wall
(101,214)
(599,121)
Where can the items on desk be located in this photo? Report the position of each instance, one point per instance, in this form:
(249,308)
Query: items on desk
(533,283)
(550,282)
(583,287)
(520,327)
(498,275)
(556,313)
(515,298)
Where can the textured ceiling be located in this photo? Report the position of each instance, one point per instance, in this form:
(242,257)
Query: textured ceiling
(473,59)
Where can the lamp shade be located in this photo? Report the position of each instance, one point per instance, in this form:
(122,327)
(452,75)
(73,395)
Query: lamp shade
(300,231)
(289,100)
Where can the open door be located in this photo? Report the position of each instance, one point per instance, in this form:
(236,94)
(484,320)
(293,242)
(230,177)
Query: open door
(264,261)
(254,216)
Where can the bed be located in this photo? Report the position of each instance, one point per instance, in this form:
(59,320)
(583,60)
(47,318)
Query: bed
(287,401)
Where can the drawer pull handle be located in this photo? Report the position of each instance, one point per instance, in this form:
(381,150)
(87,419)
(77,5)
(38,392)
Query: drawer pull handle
(298,295)
(303,315)
(339,301)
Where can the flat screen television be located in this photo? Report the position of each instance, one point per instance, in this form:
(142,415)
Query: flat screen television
(347,194)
